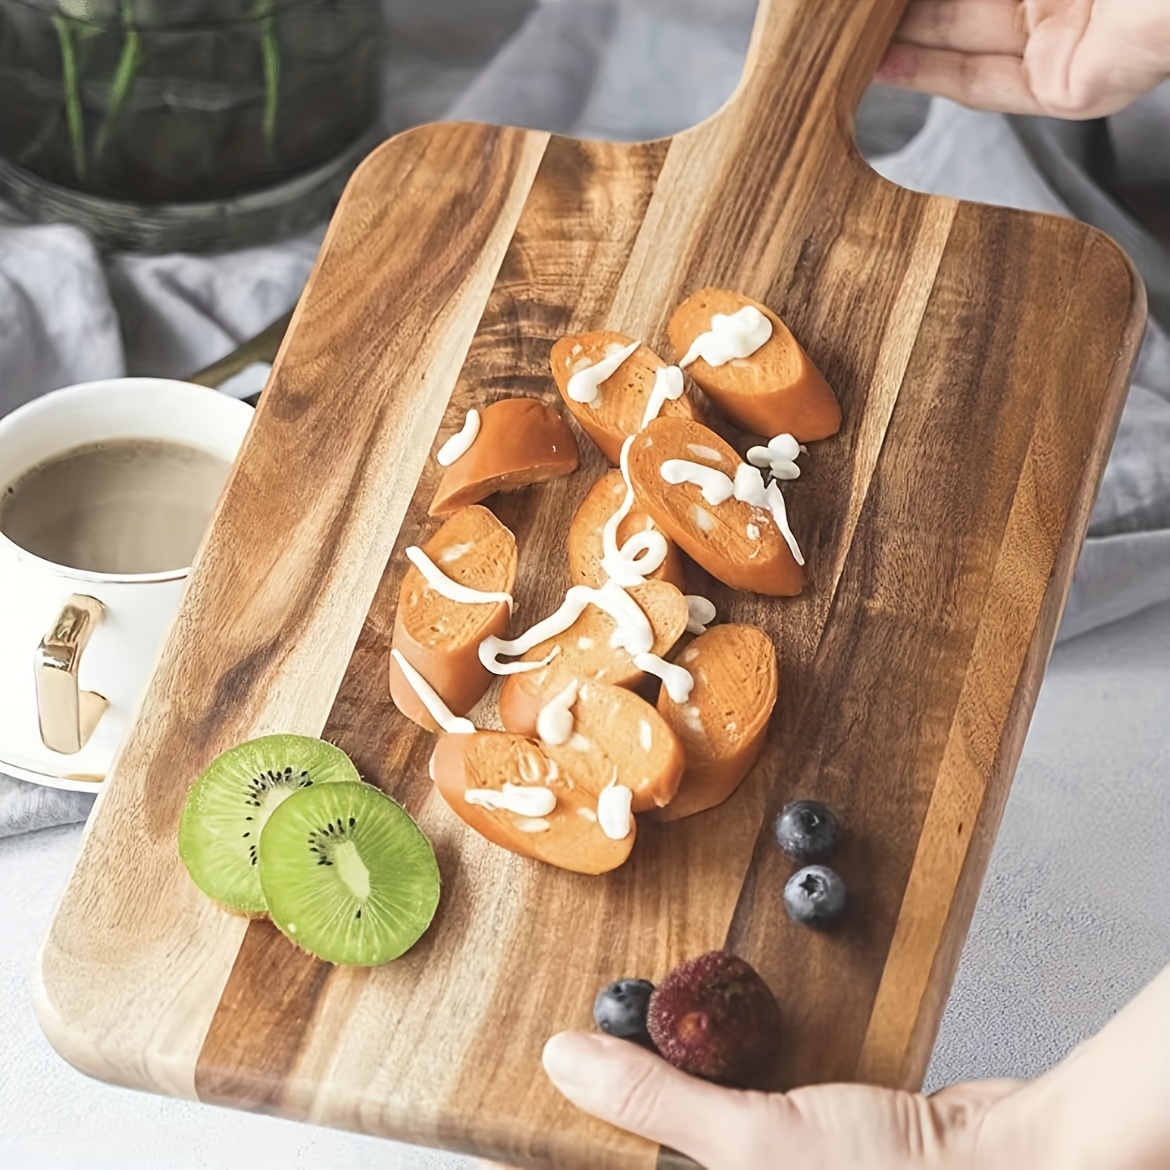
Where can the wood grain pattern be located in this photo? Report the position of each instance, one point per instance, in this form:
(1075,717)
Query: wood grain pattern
(981,356)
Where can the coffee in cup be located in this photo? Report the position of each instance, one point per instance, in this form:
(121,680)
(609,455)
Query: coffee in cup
(130,505)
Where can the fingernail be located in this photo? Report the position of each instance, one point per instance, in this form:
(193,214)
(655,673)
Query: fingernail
(570,1057)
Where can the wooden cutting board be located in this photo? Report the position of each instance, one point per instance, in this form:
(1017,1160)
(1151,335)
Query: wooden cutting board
(981,356)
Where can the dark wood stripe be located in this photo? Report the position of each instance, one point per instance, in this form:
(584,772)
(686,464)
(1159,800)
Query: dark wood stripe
(259,1028)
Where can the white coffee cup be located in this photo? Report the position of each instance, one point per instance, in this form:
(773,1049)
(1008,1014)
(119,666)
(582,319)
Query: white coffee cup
(77,648)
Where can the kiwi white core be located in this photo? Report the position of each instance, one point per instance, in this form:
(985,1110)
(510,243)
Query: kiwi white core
(352,870)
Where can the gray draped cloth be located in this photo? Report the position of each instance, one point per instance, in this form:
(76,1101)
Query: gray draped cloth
(1075,914)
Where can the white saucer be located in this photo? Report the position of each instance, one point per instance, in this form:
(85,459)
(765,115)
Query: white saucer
(19,773)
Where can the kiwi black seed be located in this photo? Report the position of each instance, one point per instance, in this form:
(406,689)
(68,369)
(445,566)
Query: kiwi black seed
(347,874)
(229,804)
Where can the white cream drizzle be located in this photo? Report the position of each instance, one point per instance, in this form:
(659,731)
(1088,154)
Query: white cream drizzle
(714,485)
(514,798)
(779,457)
(668,384)
(458,445)
(678,682)
(700,613)
(452,590)
(749,489)
(645,734)
(780,515)
(554,723)
(749,486)
(455,552)
(585,385)
(732,336)
(640,556)
(609,530)
(644,552)
(431,700)
(533,825)
(704,520)
(634,632)
(613,811)
(505,668)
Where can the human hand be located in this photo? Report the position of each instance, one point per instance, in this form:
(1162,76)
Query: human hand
(825,1127)
(1060,58)
(1102,1108)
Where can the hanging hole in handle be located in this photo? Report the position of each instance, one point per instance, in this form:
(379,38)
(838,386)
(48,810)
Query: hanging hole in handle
(67,714)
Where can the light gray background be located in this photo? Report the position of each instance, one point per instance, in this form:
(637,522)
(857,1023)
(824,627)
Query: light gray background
(1074,915)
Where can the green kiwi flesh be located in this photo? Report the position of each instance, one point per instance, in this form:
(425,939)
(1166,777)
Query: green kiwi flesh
(347,874)
(230,803)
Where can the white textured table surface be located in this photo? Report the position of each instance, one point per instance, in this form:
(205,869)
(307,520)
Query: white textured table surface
(1074,918)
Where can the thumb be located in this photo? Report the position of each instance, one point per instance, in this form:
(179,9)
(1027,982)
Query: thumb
(634,1089)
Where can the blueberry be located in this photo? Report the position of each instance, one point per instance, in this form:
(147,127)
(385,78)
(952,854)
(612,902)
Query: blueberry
(815,896)
(620,1008)
(807,830)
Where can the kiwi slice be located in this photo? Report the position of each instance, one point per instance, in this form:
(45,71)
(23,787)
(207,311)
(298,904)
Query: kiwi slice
(348,875)
(228,805)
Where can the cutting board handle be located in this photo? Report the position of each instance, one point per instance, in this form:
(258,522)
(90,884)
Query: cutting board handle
(815,57)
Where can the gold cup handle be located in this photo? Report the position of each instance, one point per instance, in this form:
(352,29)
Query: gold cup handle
(67,714)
